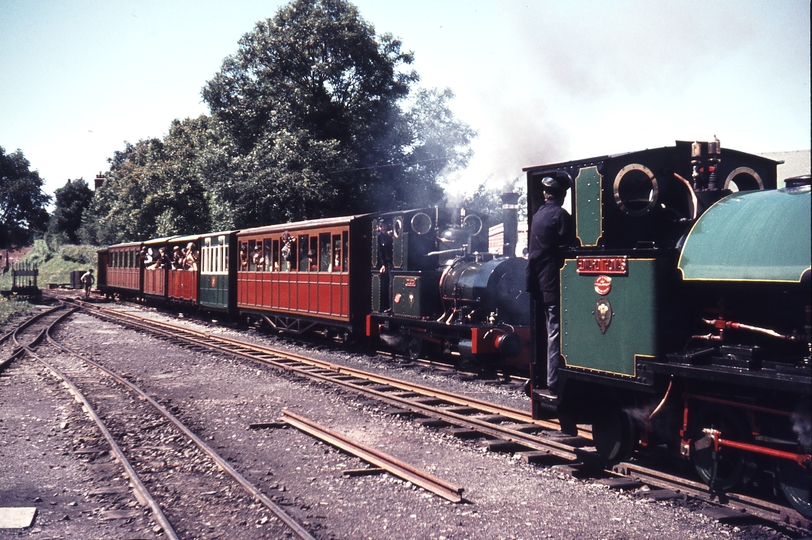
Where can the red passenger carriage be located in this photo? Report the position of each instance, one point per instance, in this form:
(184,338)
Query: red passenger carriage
(299,276)
(120,270)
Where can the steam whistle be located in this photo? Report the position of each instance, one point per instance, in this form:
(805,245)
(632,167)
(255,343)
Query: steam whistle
(714,151)
(696,161)
(704,178)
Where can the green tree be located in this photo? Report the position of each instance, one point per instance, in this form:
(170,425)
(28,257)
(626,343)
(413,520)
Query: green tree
(70,202)
(22,201)
(154,188)
(313,103)
(439,145)
(487,201)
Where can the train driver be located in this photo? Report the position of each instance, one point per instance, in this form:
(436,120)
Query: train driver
(550,233)
(385,263)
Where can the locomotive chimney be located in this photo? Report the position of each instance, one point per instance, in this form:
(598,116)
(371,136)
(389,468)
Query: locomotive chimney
(510,216)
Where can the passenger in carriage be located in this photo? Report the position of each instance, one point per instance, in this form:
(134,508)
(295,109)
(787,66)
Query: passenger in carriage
(288,247)
(243,257)
(162,261)
(258,259)
(177,258)
(191,259)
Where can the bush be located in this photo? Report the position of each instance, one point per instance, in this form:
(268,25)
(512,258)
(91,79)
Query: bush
(39,254)
(84,255)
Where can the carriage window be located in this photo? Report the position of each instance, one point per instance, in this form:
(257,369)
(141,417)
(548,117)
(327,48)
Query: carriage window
(303,259)
(275,256)
(324,252)
(313,253)
(252,255)
(336,258)
(243,256)
(206,255)
(345,253)
(266,254)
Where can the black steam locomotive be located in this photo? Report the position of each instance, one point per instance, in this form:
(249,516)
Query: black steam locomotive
(450,296)
(685,313)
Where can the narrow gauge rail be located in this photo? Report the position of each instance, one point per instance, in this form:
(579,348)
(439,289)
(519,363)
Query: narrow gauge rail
(511,430)
(94,386)
(40,325)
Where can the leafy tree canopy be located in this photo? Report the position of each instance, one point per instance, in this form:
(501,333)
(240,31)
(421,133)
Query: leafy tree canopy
(154,188)
(313,116)
(314,102)
(22,201)
(70,202)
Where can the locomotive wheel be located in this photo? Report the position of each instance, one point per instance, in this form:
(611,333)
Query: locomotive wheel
(722,470)
(796,483)
(414,348)
(613,433)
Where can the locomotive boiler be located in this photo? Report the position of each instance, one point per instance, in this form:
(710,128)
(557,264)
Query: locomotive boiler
(450,296)
(686,313)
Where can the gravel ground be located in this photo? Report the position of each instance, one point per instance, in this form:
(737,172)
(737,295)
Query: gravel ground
(220,397)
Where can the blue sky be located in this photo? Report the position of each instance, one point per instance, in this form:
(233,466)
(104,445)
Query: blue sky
(539,80)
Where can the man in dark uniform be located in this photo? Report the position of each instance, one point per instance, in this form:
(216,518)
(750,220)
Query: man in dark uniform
(550,233)
(385,263)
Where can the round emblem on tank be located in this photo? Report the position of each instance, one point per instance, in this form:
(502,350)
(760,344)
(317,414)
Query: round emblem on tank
(603,314)
(603,284)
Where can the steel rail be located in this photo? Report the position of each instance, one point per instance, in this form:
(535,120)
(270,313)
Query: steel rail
(11,335)
(395,466)
(283,516)
(284,360)
(140,491)
(736,501)
(332,372)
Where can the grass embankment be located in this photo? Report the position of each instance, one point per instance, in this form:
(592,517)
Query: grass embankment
(55,266)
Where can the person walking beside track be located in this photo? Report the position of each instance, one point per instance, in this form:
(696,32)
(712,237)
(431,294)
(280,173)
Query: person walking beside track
(87,280)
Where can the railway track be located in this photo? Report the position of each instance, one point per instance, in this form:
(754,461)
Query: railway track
(168,467)
(503,428)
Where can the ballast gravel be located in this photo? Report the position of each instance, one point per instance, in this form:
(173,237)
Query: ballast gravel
(220,397)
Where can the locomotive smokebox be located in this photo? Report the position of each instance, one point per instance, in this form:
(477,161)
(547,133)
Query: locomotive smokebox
(510,217)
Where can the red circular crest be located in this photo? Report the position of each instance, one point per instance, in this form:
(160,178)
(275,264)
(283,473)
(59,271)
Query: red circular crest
(603,284)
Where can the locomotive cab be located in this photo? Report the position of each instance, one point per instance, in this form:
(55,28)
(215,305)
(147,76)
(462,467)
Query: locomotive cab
(685,313)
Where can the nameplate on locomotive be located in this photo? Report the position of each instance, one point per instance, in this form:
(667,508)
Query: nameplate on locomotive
(614,266)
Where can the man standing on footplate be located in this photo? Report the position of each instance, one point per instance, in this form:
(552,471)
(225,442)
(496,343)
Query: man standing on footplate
(551,232)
